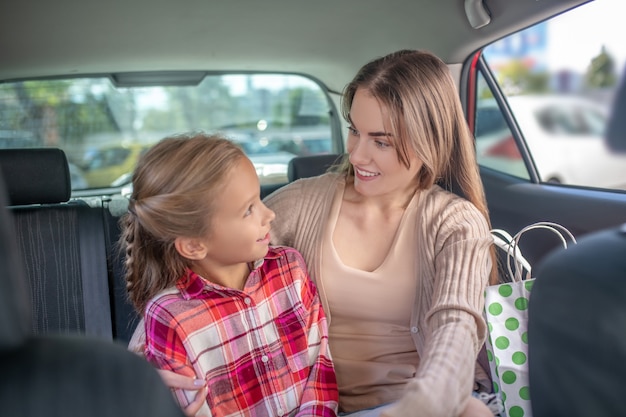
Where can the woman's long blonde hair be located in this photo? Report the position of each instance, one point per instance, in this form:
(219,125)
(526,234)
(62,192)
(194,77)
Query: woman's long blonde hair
(172,188)
(425,117)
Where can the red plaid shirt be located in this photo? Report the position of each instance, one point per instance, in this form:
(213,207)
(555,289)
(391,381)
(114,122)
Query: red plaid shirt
(263,351)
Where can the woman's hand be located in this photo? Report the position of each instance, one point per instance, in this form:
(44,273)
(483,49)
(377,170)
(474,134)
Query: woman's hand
(174,380)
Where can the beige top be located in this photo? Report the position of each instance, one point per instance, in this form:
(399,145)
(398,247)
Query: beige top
(372,347)
(452,265)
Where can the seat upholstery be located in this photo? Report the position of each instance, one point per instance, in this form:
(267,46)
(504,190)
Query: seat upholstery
(69,375)
(61,375)
(310,165)
(61,242)
(576,322)
(15,312)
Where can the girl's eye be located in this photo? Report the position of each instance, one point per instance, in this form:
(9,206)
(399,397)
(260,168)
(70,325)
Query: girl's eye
(353,131)
(249,211)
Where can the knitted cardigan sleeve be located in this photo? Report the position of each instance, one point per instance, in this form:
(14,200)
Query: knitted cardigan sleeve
(453,241)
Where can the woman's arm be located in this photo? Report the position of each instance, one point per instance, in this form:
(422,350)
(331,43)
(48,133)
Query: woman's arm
(452,299)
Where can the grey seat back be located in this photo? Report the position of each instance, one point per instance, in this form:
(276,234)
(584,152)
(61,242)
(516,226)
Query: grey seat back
(15,312)
(65,375)
(310,165)
(61,243)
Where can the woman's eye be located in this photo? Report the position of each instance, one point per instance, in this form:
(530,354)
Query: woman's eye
(382,145)
(352,131)
(248,211)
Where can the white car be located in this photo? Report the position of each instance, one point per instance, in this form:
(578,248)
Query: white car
(563,133)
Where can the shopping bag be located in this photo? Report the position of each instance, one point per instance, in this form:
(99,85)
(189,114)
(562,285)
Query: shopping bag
(506,314)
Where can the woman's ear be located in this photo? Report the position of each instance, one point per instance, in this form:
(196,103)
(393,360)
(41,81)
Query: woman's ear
(190,248)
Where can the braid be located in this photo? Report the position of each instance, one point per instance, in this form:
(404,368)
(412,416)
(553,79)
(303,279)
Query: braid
(146,273)
(127,243)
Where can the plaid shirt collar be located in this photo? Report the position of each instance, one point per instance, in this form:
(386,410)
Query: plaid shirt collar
(191,285)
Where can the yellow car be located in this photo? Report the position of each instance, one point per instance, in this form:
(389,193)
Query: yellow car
(104,165)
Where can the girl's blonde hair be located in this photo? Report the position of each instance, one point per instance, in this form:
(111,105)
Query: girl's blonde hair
(172,187)
(425,117)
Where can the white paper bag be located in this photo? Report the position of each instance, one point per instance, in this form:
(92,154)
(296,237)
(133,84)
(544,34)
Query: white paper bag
(506,313)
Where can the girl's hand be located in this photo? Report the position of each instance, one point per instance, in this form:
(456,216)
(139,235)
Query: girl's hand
(174,380)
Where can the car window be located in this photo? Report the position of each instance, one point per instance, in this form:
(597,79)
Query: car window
(105,123)
(558,82)
(496,147)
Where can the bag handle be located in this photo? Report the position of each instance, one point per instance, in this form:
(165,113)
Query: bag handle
(514,252)
(503,240)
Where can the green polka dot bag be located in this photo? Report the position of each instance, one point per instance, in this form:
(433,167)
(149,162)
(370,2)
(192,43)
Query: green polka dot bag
(506,313)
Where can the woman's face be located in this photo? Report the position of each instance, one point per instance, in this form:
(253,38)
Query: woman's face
(377,169)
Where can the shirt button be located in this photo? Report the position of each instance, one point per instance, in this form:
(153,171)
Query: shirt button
(414,329)
(247,301)
(264,358)
(280,412)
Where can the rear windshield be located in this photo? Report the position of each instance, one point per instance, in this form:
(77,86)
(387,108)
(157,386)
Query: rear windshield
(103,127)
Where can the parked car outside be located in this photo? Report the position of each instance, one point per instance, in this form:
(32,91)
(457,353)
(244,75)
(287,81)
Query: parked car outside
(271,163)
(304,142)
(564,135)
(104,165)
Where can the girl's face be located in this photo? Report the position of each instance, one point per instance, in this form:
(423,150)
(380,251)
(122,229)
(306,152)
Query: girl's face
(377,169)
(240,224)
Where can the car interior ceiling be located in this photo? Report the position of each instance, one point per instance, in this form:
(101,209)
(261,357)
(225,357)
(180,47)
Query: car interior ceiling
(334,64)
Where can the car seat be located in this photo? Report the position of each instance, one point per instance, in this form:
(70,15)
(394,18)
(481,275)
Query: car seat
(310,165)
(61,242)
(65,375)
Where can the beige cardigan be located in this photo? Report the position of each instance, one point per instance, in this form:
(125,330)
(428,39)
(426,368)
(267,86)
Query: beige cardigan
(453,265)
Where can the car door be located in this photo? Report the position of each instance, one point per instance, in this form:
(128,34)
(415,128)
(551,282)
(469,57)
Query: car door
(517,191)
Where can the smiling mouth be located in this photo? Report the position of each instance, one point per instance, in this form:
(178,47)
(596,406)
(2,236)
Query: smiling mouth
(365,173)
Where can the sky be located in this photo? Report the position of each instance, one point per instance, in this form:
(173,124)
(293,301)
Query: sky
(578,35)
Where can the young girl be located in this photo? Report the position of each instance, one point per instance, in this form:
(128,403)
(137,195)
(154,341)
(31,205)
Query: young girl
(218,303)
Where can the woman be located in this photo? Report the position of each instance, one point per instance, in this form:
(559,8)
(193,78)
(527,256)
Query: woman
(400,263)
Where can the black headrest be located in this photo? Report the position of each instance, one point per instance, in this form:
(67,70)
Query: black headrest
(15,309)
(310,165)
(35,175)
